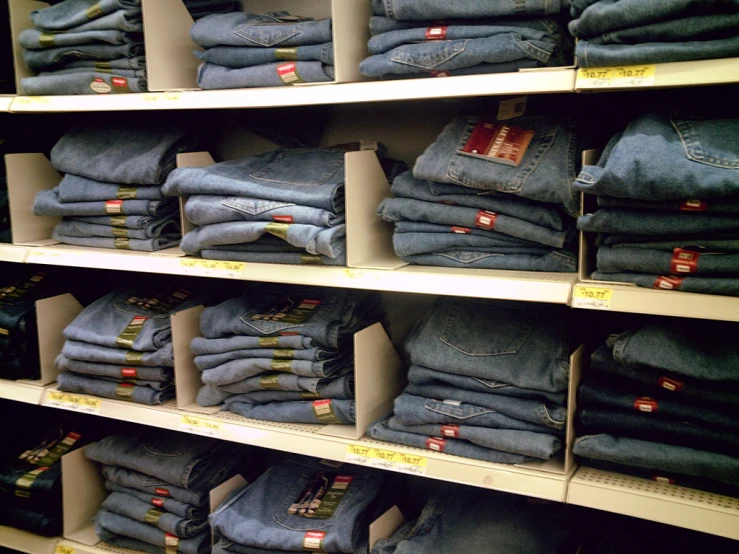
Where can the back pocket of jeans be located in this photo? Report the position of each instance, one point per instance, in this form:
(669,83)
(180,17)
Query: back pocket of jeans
(709,141)
(456,411)
(253,206)
(429,55)
(302,167)
(267,35)
(478,328)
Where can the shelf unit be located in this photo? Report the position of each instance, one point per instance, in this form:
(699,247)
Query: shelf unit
(23,541)
(5,102)
(21,391)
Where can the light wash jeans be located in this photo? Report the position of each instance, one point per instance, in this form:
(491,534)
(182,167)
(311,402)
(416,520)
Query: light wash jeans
(140,245)
(212,76)
(73,13)
(171,505)
(201,346)
(555,261)
(154,486)
(86,352)
(325,411)
(439,9)
(244,56)
(164,374)
(108,525)
(272,257)
(47,202)
(237,370)
(138,510)
(72,382)
(702,285)
(73,188)
(34,39)
(168,228)
(55,58)
(208,361)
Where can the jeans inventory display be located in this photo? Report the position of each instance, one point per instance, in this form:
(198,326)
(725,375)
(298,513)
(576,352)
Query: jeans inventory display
(111,194)
(282,354)
(85,47)
(143,514)
(302,504)
(647,405)
(627,32)
(667,193)
(120,346)
(263,50)
(488,381)
(31,477)
(489,195)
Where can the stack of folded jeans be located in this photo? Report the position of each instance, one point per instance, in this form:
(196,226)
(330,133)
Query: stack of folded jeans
(488,381)
(661,402)
(302,504)
(111,195)
(19,349)
(159,483)
(31,478)
(439,38)
(283,356)
(120,346)
(456,210)
(284,206)
(634,32)
(668,195)
(263,50)
(85,47)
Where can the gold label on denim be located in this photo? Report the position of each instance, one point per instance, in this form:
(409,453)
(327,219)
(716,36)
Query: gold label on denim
(324,411)
(286,54)
(94,11)
(126,193)
(124,391)
(281,365)
(118,221)
(134,358)
(152,516)
(269,342)
(46,40)
(122,244)
(284,354)
(278,229)
(271,382)
(104,67)
(308,259)
(120,233)
(131,332)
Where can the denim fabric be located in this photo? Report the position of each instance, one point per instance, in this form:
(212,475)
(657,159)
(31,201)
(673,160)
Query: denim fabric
(525,443)
(597,395)
(411,244)
(108,524)
(592,421)
(272,257)
(132,153)
(168,229)
(45,490)
(661,157)
(128,20)
(329,242)
(148,223)
(419,227)
(245,368)
(604,17)
(128,543)
(244,56)
(424,376)
(545,173)
(328,317)
(171,505)
(85,352)
(137,62)
(212,76)
(717,206)
(658,224)
(671,344)
(578,6)
(38,40)
(554,261)
(521,344)
(56,58)
(138,510)
(438,9)
(703,285)
(307,177)
(106,320)
(702,27)
(154,385)
(47,203)
(73,188)
(33,521)
(72,13)
(266,397)
(71,382)
(154,486)
(201,346)
(642,260)
(382,431)
(659,457)
(163,374)
(140,245)
(209,361)
(205,210)
(550,216)
(273,29)
(693,242)
(83,81)
(479,69)
(201,8)
(471,519)
(599,55)
(417,410)
(342,412)
(186,461)
(273,527)
(408,209)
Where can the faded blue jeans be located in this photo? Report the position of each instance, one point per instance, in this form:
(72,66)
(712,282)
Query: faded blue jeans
(73,188)
(140,245)
(702,285)
(138,510)
(47,202)
(84,81)
(73,13)
(201,346)
(642,260)
(326,411)
(34,39)
(168,228)
(208,361)
(271,257)
(108,525)
(71,382)
(154,486)
(410,244)
(86,352)
(554,261)
(171,505)
(126,19)
(244,56)
(56,58)
(439,9)
(138,62)
(236,371)
(139,222)
(109,370)
(212,76)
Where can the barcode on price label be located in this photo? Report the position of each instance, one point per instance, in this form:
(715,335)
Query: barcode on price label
(621,76)
(385,459)
(593,298)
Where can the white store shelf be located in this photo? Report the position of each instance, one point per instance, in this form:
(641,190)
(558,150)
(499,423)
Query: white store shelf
(13,253)
(536,81)
(21,391)
(99,548)
(661,502)
(5,102)
(308,440)
(23,541)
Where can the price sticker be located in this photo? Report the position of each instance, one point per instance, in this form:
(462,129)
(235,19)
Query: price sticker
(42,256)
(32,100)
(73,402)
(200,426)
(613,77)
(162,98)
(592,298)
(213,268)
(385,459)
(61,549)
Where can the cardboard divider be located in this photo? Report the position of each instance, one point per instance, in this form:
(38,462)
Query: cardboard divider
(185,327)
(53,315)
(20,12)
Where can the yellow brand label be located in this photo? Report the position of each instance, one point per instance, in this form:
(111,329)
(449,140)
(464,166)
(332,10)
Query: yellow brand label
(621,76)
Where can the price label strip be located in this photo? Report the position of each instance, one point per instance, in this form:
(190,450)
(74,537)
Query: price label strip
(614,77)
(385,459)
(42,256)
(73,402)
(214,268)
(592,298)
(200,426)
(61,549)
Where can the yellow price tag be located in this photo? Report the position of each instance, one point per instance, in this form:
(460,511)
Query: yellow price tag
(200,426)
(74,402)
(213,268)
(32,100)
(162,97)
(385,459)
(621,76)
(593,298)
(61,549)
(41,255)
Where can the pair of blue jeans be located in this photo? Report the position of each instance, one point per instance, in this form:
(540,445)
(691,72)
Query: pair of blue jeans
(73,188)
(270,257)
(140,245)
(437,9)
(154,486)
(323,411)
(700,243)
(245,56)
(455,237)
(73,13)
(86,352)
(659,224)
(212,76)
(86,81)
(729,205)
(236,371)
(202,8)
(56,58)
(201,346)
(47,202)
(138,510)
(181,509)
(125,532)
(72,382)
(167,227)
(208,361)
(701,285)
(642,260)
(146,223)
(124,19)
(34,39)
(137,62)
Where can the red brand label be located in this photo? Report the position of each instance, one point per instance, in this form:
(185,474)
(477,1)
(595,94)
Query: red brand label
(461,230)
(288,73)
(162,492)
(440,74)
(158,502)
(684,261)
(310,302)
(74,436)
(485,220)
(645,404)
(119,82)
(113,206)
(671,384)
(667,283)
(693,206)
(342,481)
(498,142)
(283,218)
(435,444)
(660,479)
(450,431)
(129,372)
(436,33)
(313,541)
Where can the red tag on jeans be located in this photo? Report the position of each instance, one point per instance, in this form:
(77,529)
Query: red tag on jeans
(661,479)
(693,206)
(485,220)
(440,74)
(283,218)
(461,230)
(162,492)
(435,444)
(313,541)
(684,261)
(645,404)
(450,431)
(498,142)
(158,502)
(436,33)
(288,73)
(667,283)
(671,384)
(113,206)
(129,372)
